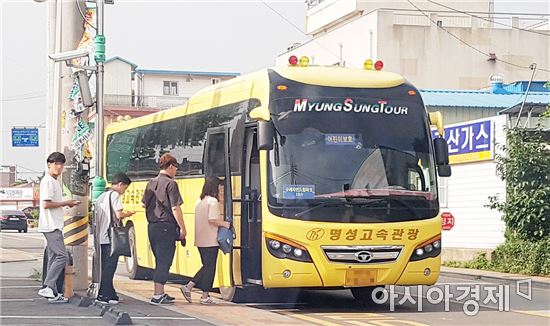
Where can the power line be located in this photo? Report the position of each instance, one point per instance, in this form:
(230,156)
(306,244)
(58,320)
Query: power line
(22,98)
(299,29)
(487,19)
(468,44)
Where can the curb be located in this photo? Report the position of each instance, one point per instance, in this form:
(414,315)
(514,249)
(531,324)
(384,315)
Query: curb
(18,261)
(171,308)
(476,274)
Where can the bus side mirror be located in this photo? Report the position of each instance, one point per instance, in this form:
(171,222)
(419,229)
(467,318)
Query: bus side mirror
(444,170)
(441,151)
(266,132)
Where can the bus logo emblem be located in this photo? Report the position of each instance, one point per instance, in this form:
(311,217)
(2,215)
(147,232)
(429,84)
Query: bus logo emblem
(315,234)
(363,256)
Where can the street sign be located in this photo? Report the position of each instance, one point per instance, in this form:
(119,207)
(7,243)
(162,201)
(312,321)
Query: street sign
(24,137)
(447,221)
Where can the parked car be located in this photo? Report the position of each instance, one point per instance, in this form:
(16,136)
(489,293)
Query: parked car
(13,220)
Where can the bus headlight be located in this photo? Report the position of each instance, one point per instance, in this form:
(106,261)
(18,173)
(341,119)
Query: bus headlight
(274,244)
(283,248)
(287,249)
(427,249)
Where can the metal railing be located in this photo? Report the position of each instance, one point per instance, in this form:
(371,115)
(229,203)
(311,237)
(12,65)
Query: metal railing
(162,102)
(485,20)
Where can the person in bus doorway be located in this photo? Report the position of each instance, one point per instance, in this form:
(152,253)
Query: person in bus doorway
(162,202)
(109,209)
(207,221)
(50,223)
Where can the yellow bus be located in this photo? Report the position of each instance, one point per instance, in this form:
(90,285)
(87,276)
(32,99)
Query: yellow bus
(330,179)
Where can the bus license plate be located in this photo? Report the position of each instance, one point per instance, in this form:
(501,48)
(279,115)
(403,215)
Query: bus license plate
(361,277)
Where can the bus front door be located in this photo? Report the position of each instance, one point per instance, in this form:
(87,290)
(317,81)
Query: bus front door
(251,219)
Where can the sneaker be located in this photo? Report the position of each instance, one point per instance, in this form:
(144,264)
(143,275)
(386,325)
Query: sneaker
(161,301)
(102,300)
(113,301)
(168,297)
(186,293)
(46,293)
(58,299)
(208,301)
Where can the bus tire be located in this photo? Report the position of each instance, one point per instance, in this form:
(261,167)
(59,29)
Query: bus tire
(135,271)
(364,294)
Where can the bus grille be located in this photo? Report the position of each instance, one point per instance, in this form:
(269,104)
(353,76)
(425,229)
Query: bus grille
(362,254)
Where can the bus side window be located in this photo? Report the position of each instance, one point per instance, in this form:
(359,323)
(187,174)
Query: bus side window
(215,155)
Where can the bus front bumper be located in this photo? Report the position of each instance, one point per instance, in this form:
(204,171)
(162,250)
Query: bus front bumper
(287,273)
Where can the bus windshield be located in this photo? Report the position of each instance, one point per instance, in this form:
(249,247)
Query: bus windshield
(360,156)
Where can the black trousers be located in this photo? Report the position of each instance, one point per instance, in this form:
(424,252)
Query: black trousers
(108,268)
(163,242)
(205,276)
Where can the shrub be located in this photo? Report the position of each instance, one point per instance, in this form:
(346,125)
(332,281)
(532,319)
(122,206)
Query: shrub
(514,256)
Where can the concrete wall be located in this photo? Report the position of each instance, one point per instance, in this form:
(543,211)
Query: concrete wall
(118,78)
(329,14)
(426,55)
(153,84)
(476,227)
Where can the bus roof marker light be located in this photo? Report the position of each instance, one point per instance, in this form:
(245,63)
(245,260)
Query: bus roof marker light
(304,61)
(368,64)
(293,60)
(379,65)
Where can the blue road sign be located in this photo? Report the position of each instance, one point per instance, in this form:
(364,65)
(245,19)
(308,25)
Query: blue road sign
(24,137)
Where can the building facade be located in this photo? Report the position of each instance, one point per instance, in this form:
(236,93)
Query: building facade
(432,46)
(128,87)
(475,128)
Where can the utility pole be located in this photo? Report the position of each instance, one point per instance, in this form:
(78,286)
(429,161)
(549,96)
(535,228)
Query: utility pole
(75,186)
(64,132)
(98,184)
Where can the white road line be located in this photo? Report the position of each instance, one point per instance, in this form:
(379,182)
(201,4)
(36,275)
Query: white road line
(52,317)
(274,304)
(162,318)
(462,283)
(96,317)
(20,287)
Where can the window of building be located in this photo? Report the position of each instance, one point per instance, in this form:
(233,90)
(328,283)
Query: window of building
(216,81)
(443,192)
(170,88)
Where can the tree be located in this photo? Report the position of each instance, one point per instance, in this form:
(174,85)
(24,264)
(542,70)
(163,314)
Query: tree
(525,166)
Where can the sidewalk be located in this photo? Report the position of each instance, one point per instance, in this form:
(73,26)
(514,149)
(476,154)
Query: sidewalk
(492,276)
(14,255)
(224,313)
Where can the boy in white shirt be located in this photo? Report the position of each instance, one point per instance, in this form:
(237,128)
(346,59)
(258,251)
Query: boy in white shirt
(50,223)
(109,211)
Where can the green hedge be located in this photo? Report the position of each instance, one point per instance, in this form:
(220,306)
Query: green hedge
(514,256)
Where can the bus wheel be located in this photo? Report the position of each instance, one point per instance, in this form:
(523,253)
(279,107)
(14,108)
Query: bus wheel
(364,294)
(136,272)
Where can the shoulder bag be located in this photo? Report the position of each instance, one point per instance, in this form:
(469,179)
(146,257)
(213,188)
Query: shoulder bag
(118,234)
(226,236)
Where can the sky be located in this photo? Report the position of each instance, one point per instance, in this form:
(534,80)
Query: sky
(232,36)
